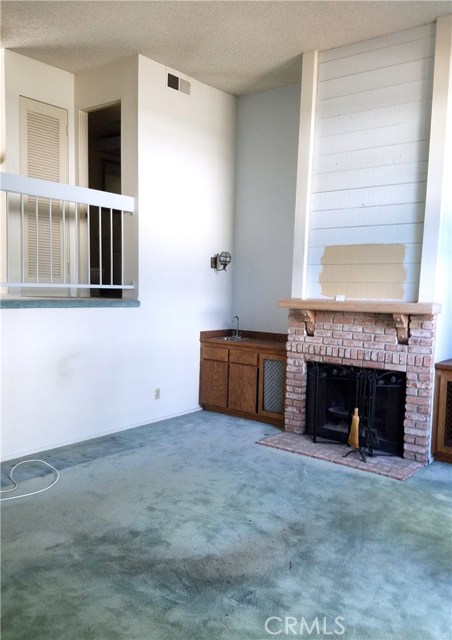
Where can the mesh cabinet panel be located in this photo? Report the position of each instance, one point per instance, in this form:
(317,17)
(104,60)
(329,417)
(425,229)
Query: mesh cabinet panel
(448,421)
(274,375)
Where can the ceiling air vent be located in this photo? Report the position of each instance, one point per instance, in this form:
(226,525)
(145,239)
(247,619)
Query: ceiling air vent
(179,84)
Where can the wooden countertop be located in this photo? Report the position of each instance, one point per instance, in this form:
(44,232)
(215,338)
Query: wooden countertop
(249,340)
(445,365)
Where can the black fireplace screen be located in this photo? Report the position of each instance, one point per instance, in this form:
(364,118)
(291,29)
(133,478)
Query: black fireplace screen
(333,391)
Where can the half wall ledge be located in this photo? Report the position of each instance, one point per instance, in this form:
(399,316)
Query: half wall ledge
(400,311)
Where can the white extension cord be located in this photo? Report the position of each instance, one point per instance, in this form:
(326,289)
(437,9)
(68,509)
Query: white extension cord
(32,493)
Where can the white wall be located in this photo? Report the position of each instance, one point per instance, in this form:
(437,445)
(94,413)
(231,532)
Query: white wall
(267,149)
(186,185)
(72,374)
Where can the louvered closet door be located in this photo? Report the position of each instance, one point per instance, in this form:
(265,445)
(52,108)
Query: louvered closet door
(44,154)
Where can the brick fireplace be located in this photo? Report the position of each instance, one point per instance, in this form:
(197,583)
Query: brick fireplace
(376,335)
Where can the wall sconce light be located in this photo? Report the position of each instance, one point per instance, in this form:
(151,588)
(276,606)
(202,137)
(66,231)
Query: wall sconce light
(220,261)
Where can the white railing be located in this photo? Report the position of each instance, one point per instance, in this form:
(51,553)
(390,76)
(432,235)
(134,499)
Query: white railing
(59,236)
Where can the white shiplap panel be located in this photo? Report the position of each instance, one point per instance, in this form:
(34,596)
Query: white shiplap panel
(393,214)
(372,197)
(384,234)
(370,177)
(410,35)
(377,157)
(372,118)
(370,165)
(394,134)
(395,54)
(377,78)
(416,91)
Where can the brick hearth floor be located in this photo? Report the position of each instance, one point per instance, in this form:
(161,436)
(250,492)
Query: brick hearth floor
(390,466)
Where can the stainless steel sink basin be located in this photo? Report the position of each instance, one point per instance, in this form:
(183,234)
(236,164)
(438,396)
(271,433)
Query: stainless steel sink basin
(233,338)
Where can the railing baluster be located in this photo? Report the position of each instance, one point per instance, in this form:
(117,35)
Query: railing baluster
(100,246)
(37,238)
(111,246)
(122,248)
(88,240)
(7,200)
(77,244)
(63,216)
(51,240)
(22,236)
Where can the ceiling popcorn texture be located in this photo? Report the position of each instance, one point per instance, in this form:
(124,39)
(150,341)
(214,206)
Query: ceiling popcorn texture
(238,47)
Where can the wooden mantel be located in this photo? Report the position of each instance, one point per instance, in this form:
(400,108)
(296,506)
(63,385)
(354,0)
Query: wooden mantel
(400,311)
(363,306)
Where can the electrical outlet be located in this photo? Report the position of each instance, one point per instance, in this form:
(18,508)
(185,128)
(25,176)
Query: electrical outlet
(157,393)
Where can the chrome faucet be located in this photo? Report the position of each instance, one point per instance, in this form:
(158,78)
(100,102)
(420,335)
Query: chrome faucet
(236,330)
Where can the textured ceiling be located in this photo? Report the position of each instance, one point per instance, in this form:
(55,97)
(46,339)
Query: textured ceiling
(239,47)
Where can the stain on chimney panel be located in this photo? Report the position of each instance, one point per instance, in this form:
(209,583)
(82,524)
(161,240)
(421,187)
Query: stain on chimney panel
(366,271)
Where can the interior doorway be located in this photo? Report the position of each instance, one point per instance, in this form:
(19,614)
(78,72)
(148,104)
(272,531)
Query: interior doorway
(104,174)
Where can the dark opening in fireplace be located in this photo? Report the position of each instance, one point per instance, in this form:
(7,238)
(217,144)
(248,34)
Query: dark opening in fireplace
(333,391)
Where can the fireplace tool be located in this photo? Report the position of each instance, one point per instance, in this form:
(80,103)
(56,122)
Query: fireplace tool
(366,435)
(354,437)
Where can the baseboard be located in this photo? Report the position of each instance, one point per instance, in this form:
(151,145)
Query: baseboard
(98,434)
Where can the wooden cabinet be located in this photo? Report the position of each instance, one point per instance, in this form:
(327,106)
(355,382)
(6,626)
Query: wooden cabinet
(213,388)
(245,379)
(442,416)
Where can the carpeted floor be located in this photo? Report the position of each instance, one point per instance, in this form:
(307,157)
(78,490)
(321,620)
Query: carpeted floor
(187,529)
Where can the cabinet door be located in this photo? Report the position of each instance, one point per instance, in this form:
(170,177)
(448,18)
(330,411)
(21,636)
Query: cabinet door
(272,385)
(444,417)
(242,387)
(213,388)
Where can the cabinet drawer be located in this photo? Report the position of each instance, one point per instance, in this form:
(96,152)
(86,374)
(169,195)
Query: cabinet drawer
(240,356)
(214,353)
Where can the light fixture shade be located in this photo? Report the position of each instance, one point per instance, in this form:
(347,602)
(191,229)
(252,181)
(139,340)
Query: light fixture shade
(220,261)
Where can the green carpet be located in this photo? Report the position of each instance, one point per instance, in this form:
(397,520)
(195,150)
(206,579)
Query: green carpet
(187,529)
